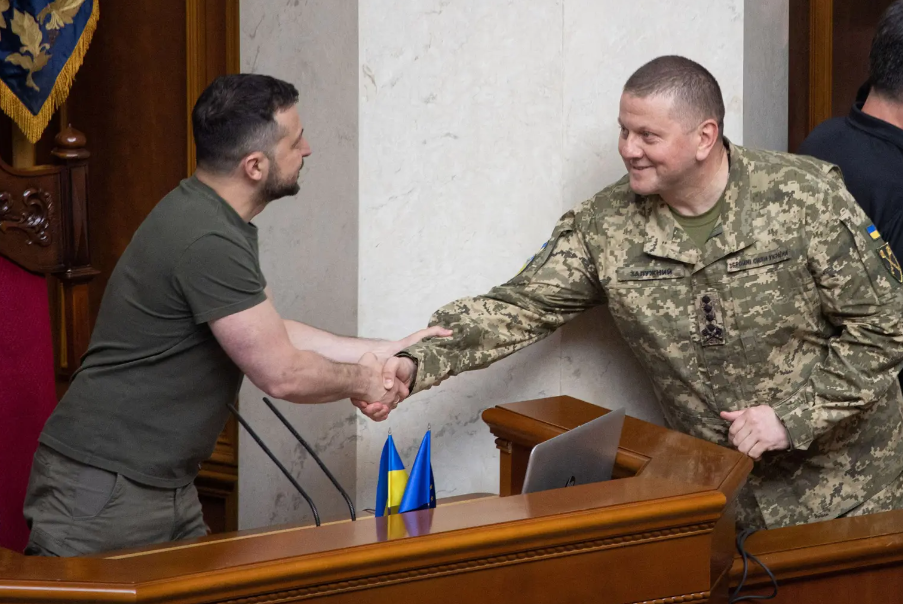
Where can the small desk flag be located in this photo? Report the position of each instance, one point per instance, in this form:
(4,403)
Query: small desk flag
(392,480)
(420,493)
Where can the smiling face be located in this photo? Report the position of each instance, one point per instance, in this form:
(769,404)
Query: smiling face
(660,153)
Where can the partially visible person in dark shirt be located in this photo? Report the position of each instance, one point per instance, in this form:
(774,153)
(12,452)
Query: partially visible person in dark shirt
(867,145)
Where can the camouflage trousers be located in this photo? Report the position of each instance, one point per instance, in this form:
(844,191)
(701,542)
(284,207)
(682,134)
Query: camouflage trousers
(888,498)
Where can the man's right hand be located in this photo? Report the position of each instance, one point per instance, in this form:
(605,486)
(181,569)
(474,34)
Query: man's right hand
(403,369)
(392,388)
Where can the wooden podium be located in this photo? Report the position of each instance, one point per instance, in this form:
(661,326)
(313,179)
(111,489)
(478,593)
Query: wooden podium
(661,532)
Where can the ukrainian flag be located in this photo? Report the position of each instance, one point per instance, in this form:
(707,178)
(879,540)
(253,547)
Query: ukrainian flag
(392,480)
(420,493)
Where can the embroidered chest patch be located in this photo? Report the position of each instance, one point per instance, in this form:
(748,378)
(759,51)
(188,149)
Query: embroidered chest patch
(709,319)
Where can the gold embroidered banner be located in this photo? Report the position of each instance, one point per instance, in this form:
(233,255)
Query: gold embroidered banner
(42,46)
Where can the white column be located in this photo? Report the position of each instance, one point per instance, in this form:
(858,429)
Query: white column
(308,249)
(461,165)
(766,34)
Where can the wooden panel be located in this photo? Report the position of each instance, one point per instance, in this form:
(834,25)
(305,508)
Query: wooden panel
(853,30)
(798,74)
(217,483)
(821,52)
(212,29)
(662,535)
(32,218)
(856,559)
(129,101)
(871,586)
(828,47)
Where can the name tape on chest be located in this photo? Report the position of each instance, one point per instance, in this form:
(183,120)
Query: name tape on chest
(650,273)
(756,260)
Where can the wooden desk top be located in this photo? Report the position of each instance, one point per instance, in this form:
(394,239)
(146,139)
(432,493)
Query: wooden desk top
(646,450)
(680,486)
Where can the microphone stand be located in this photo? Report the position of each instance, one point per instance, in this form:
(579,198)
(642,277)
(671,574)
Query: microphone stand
(316,457)
(266,450)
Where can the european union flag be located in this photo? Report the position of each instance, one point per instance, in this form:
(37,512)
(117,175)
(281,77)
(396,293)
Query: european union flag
(42,46)
(420,493)
(392,480)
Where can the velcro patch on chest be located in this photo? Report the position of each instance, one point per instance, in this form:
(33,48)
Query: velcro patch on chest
(774,256)
(710,319)
(650,273)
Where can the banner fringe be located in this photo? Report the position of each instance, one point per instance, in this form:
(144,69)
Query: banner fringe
(33,126)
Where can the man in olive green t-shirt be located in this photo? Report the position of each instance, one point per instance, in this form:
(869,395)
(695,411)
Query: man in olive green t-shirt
(184,317)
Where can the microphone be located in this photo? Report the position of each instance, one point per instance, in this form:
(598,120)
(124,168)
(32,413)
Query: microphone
(316,457)
(266,450)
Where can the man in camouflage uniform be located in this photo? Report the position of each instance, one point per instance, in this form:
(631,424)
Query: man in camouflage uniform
(776,329)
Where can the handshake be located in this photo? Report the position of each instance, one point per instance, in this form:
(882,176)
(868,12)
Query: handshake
(390,377)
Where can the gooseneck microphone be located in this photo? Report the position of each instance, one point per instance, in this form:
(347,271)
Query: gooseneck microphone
(266,450)
(316,457)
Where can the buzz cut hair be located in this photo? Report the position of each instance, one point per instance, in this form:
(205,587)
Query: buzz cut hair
(695,91)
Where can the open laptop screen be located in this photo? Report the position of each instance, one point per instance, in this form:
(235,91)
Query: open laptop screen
(580,456)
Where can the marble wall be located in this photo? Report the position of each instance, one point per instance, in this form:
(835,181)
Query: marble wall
(461,180)
(308,249)
(766,37)
(473,125)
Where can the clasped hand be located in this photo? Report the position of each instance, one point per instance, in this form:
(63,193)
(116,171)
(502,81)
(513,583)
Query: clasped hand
(392,375)
(386,390)
(756,430)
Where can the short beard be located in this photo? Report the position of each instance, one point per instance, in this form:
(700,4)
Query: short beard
(277,187)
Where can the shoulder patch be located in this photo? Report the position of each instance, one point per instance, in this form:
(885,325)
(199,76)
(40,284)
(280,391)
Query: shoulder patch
(890,262)
(533,257)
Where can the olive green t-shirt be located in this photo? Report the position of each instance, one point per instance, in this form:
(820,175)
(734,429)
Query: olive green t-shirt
(700,227)
(150,397)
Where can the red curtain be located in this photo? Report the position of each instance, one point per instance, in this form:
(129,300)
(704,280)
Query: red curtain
(27,390)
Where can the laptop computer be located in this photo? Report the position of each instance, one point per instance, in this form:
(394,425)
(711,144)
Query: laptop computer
(580,456)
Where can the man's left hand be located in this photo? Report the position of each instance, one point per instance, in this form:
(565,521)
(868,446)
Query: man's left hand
(756,430)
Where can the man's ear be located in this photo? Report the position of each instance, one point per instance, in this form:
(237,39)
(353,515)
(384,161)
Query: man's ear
(708,139)
(255,166)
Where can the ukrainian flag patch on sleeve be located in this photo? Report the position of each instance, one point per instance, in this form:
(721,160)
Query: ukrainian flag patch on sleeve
(873,232)
(533,257)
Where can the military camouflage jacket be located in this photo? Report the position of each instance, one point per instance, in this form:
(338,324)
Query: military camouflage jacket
(794,302)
